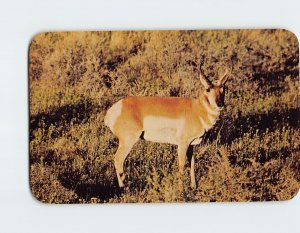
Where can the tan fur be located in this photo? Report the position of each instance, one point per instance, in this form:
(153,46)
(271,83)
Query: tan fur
(176,120)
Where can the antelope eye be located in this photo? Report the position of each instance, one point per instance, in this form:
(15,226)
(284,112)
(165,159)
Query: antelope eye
(208,90)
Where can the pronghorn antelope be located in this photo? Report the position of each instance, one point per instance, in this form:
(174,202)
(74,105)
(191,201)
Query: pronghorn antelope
(176,120)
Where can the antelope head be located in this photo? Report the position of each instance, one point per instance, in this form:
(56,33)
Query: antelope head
(215,91)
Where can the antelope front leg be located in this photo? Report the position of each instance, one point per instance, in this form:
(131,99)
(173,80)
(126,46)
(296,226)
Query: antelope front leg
(191,160)
(182,150)
(193,179)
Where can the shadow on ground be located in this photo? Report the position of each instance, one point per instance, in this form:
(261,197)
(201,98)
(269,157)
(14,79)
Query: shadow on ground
(228,129)
(89,189)
(62,116)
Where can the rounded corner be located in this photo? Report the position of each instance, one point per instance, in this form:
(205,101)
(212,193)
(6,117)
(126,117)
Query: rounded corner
(293,196)
(35,197)
(34,37)
(293,34)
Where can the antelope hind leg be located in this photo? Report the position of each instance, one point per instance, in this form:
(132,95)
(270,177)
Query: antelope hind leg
(124,148)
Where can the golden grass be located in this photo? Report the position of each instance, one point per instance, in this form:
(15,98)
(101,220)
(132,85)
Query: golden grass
(252,154)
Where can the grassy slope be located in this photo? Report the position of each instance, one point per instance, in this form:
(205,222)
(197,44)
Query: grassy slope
(251,154)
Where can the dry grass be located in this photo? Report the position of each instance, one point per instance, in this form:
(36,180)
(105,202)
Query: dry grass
(252,154)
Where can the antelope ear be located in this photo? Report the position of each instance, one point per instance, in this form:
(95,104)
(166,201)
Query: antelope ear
(224,78)
(205,82)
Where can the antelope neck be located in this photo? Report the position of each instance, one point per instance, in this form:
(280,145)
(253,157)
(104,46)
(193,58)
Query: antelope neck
(209,115)
(208,107)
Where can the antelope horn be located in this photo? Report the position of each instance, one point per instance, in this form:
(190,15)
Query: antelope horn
(204,80)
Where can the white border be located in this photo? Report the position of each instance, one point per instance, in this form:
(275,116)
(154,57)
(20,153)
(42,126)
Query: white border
(21,20)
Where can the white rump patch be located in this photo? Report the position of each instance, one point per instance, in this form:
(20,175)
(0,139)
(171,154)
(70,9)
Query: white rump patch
(163,129)
(112,114)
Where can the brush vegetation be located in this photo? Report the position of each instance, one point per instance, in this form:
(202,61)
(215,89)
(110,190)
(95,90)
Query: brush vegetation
(252,154)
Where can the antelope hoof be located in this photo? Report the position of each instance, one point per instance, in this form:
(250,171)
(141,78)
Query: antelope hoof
(193,185)
(121,179)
